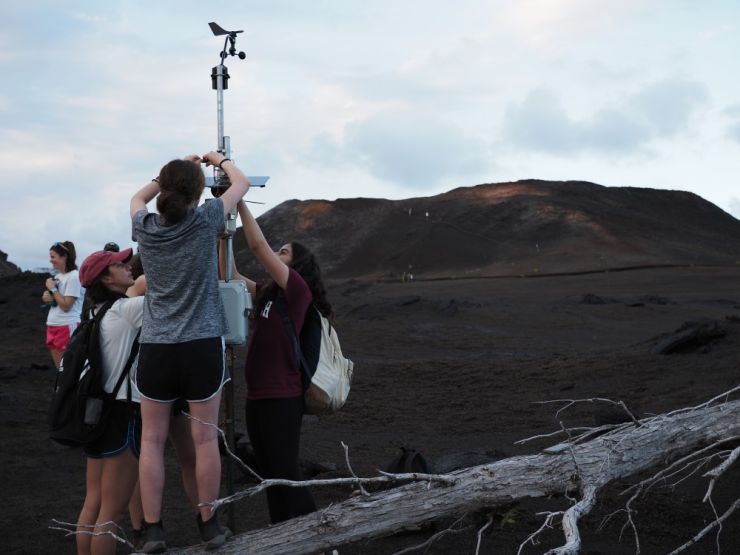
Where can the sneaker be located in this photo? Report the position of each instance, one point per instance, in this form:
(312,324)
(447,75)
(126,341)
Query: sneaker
(153,538)
(211,532)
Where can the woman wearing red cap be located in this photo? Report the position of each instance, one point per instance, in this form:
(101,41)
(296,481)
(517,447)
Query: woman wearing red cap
(112,460)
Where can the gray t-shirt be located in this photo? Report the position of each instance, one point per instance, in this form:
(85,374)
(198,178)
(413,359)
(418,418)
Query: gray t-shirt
(181,267)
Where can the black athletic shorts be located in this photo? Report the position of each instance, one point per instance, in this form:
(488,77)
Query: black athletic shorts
(193,370)
(123,431)
(179,406)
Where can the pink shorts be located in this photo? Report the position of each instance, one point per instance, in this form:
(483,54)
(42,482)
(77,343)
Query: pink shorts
(57,337)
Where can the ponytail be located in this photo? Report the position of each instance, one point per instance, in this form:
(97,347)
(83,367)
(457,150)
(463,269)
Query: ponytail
(181,183)
(172,206)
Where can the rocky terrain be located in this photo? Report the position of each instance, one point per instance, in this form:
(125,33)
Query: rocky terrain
(7,268)
(522,292)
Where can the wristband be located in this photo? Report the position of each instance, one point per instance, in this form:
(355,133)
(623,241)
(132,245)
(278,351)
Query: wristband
(222,162)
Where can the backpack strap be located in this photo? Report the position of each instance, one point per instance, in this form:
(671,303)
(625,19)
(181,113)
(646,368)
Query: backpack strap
(127,369)
(93,346)
(98,318)
(300,361)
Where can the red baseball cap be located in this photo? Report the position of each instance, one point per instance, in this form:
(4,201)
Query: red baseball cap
(99,261)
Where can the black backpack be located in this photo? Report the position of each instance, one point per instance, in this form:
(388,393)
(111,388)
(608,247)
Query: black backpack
(80,406)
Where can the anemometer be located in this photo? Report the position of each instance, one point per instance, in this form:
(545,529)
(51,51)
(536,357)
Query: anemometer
(234,296)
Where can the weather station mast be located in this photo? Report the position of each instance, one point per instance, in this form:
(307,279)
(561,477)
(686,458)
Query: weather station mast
(220,82)
(234,295)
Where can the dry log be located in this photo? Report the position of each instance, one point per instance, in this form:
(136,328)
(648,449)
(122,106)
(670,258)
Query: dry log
(582,468)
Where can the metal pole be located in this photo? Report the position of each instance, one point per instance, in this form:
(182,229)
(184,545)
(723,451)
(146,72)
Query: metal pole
(224,148)
(229,410)
(219,81)
(220,70)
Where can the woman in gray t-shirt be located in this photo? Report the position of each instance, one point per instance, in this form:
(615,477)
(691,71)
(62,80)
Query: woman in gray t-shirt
(181,354)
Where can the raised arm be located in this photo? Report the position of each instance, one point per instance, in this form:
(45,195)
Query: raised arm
(138,288)
(251,285)
(239,182)
(277,269)
(144,195)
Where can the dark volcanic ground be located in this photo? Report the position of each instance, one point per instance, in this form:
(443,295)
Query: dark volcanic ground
(450,366)
(446,367)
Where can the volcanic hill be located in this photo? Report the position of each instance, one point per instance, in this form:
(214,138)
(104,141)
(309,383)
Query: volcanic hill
(523,227)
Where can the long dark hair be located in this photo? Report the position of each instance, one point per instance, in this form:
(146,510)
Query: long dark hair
(66,249)
(304,262)
(98,293)
(135,264)
(181,183)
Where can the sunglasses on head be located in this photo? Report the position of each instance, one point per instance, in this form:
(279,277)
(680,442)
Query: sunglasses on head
(60,245)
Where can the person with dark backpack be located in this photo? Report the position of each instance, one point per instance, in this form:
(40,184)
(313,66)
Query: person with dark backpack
(112,323)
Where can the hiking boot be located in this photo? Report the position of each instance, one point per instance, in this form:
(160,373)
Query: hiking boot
(211,532)
(153,538)
(137,538)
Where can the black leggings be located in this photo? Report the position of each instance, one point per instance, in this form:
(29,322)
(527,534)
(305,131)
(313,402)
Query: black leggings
(274,427)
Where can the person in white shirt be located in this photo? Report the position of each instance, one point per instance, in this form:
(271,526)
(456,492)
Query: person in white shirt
(113,459)
(65,295)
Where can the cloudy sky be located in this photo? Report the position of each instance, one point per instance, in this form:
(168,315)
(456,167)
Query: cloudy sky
(336,99)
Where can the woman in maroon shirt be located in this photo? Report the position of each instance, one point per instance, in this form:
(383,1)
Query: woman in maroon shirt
(275,403)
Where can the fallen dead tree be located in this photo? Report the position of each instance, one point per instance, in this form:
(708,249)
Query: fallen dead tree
(581,466)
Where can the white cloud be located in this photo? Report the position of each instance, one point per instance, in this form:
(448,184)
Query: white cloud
(540,122)
(668,105)
(339,99)
(560,24)
(733,131)
(659,110)
(406,147)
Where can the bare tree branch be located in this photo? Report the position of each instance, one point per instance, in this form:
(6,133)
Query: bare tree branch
(570,522)
(73,530)
(386,478)
(222,434)
(435,537)
(480,533)
(617,453)
(532,538)
(722,397)
(714,524)
(715,473)
(349,467)
(571,402)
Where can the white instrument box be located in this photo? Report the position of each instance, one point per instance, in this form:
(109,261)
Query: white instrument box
(237,303)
